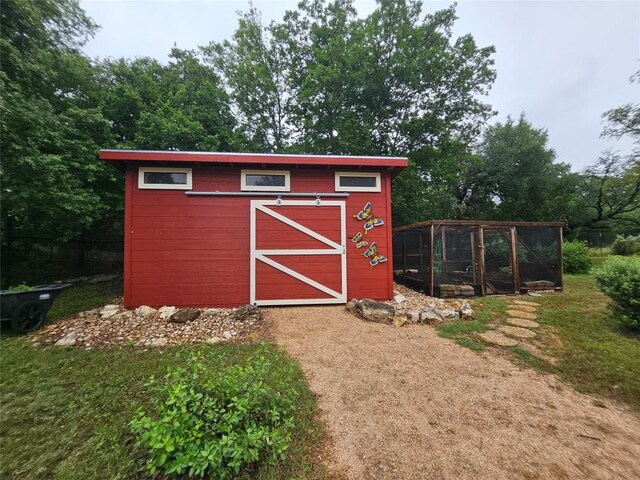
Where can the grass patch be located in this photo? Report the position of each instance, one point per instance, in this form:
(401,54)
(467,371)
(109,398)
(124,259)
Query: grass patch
(459,327)
(64,413)
(594,353)
(461,332)
(470,344)
(86,296)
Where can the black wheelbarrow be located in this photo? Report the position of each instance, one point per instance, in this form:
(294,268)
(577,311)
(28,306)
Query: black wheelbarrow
(27,310)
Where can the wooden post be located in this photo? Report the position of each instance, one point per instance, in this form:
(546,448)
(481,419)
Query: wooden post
(444,251)
(474,258)
(431,272)
(404,256)
(515,268)
(481,266)
(560,259)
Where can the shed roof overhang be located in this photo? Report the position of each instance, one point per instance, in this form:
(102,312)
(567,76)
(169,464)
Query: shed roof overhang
(120,158)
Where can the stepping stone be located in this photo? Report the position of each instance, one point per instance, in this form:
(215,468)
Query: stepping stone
(517,332)
(523,308)
(498,338)
(521,322)
(525,303)
(519,314)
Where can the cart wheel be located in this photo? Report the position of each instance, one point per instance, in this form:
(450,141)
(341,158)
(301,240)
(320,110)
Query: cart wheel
(28,317)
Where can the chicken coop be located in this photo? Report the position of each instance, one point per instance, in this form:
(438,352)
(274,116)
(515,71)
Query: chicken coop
(457,258)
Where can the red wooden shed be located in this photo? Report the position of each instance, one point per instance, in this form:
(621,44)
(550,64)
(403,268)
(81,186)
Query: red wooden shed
(226,229)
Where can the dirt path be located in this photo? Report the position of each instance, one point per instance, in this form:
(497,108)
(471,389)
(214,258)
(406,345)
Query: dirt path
(403,403)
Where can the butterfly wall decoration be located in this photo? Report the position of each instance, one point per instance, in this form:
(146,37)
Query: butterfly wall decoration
(370,219)
(357,239)
(374,257)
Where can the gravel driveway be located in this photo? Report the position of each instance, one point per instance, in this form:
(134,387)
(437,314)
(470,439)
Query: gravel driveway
(403,403)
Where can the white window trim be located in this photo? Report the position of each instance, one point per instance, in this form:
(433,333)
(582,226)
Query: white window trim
(265,188)
(340,188)
(163,186)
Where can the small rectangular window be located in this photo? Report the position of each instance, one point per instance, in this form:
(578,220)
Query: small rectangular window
(165,178)
(357,182)
(265,180)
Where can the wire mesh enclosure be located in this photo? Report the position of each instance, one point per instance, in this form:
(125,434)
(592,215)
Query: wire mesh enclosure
(451,258)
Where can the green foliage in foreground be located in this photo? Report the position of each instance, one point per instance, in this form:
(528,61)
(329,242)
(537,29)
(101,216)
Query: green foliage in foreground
(217,422)
(619,279)
(64,413)
(575,257)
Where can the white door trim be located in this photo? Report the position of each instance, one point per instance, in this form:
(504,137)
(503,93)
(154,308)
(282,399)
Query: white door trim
(262,254)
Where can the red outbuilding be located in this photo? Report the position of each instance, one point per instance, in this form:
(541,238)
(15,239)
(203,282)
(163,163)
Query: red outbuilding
(224,229)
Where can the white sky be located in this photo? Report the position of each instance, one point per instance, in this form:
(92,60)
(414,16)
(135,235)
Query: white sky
(562,63)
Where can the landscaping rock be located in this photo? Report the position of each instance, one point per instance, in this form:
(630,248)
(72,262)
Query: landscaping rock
(399,299)
(227,335)
(519,314)
(248,312)
(122,316)
(449,314)
(523,308)
(165,312)
(517,332)
(158,342)
(372,310)
(214,340)
(521,322)
(526,303)
(466,312)
(456,291)
(498,338)
(413,316)
(68,340)
(399,320)
(185,315)
(430,316)
(212,311)
(109,311)
(144,310)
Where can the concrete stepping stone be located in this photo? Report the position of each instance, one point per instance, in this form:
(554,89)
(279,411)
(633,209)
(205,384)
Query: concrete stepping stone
(521,322)
(517,332)
(523,308)
(519,314)
(498,338)
(525,303)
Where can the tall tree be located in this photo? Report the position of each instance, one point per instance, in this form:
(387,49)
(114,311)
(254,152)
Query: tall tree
(52,126)
(178,106)
(519,178)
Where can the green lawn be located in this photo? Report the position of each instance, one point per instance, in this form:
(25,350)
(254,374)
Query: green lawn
(593,353)
(64,413)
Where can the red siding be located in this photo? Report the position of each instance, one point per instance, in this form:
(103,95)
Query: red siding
(194,251)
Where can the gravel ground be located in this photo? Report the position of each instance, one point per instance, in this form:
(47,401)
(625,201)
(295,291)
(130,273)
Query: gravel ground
(88,330)
(403,403)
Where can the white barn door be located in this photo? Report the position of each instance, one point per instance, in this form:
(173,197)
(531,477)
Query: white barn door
(298,252)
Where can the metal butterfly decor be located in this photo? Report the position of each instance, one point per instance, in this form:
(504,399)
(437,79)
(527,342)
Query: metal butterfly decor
(370,220)
(357,239)
(375,257)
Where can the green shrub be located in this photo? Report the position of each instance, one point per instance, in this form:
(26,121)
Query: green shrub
(619,279)
(217,421)
(575,257)
(626,246)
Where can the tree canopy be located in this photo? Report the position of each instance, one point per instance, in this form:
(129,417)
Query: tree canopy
(321,80)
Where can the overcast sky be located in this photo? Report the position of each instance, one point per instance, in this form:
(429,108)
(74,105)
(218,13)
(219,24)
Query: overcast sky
(562,63)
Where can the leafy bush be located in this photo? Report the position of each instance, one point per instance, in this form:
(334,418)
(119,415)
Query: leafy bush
(619,279)
(626,246)
(23,287)
(575,257)
(217,421)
